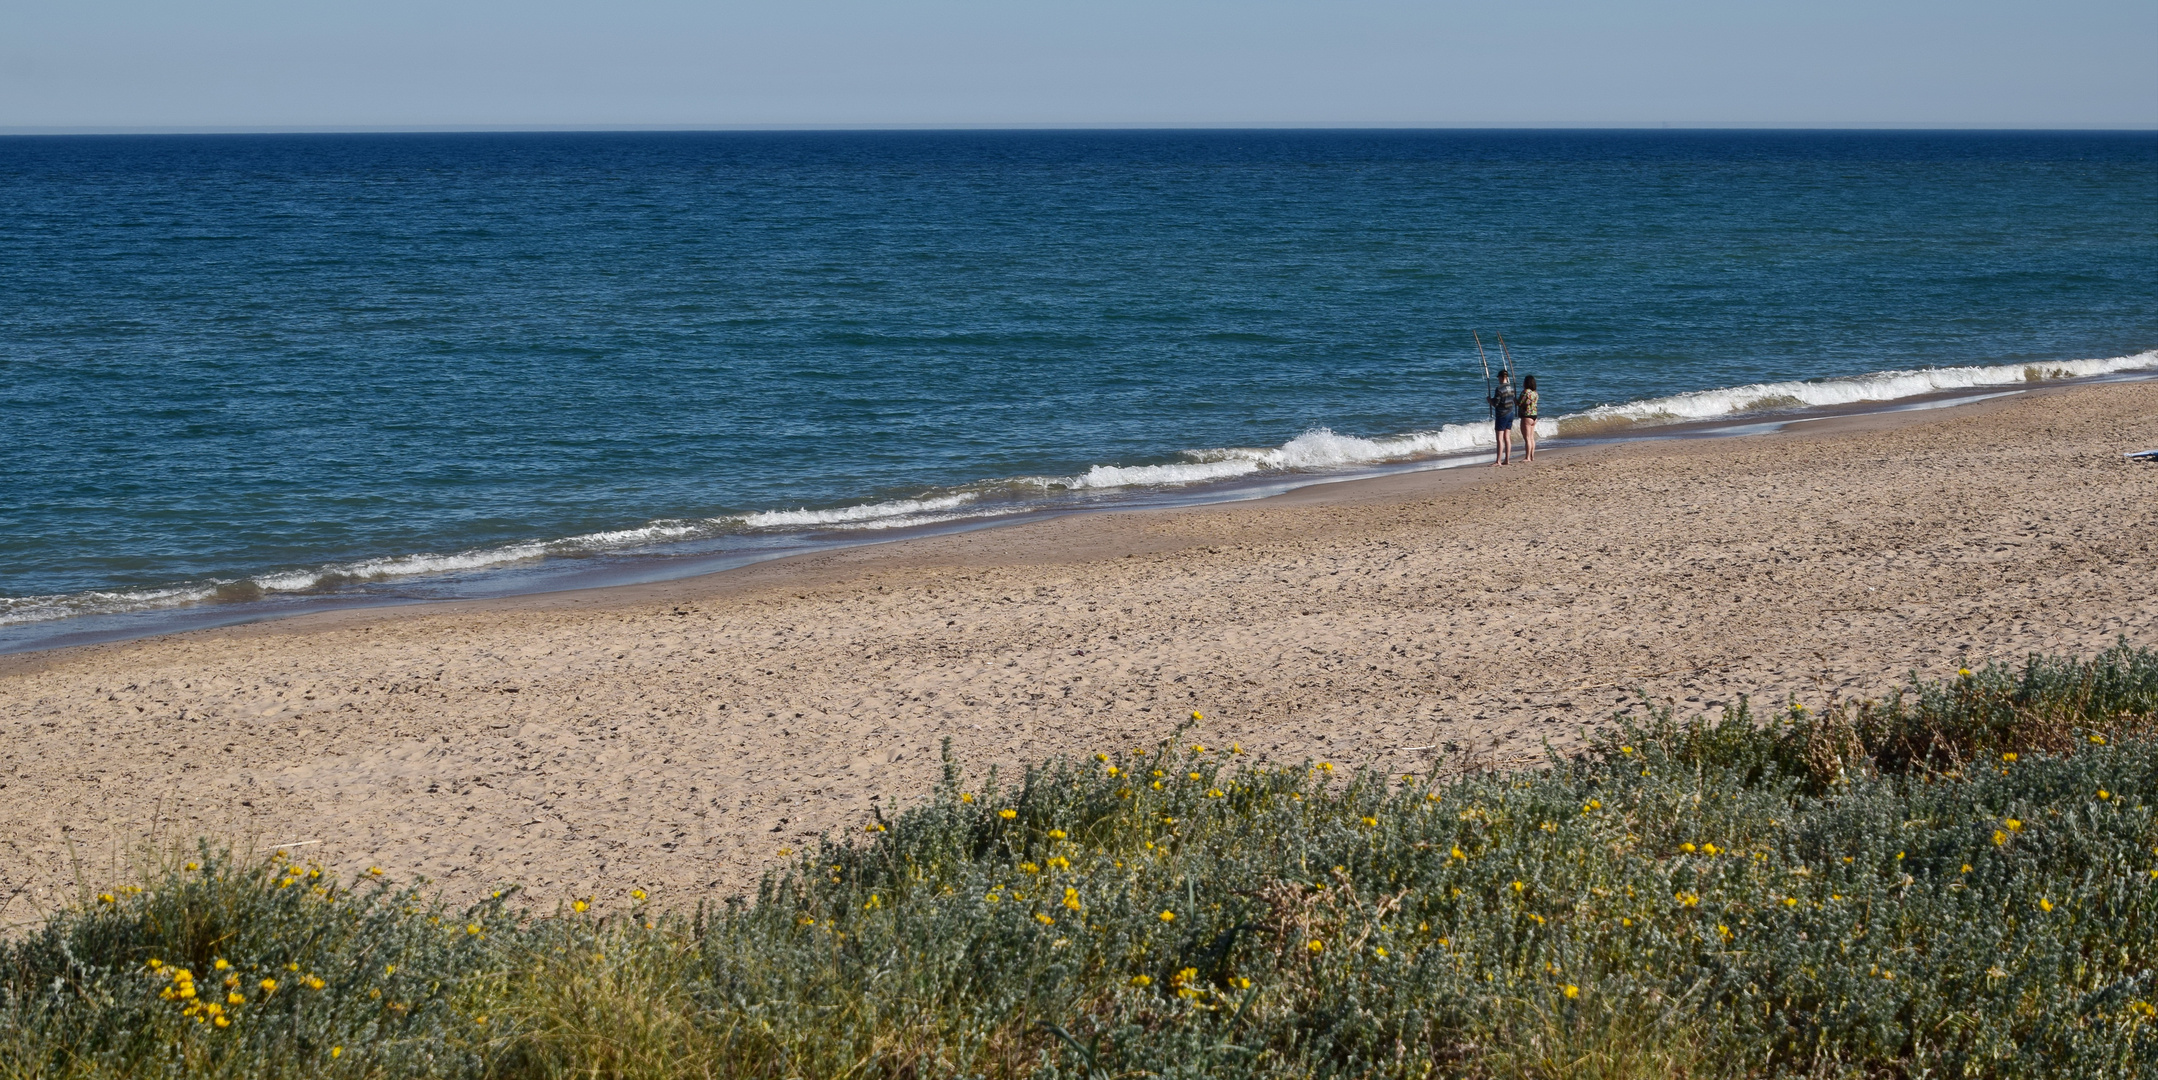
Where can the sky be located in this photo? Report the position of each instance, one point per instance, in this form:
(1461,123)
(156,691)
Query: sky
(306,64)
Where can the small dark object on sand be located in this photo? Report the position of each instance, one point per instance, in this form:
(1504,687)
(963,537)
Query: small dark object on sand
(2144,455)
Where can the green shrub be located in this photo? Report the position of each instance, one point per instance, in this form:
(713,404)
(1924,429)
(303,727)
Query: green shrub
(1960,881)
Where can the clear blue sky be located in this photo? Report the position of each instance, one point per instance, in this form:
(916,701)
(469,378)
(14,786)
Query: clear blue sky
(485,63)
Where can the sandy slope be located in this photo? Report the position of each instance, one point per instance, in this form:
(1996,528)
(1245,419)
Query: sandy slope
(677,735)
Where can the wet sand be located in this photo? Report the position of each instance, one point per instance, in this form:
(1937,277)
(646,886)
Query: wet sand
(675,736)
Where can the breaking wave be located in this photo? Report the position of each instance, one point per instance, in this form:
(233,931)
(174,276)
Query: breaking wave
(1318,449)
(1877,386)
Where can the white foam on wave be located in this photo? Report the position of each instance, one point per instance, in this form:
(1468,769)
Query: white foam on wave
(28,609)
(1319,448)
(1876,386)
(861,515)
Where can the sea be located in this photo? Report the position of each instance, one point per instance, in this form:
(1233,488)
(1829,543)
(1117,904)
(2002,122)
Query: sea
(244,376)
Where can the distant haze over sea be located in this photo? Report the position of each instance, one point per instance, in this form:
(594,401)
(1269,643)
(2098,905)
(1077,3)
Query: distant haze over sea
(244,367)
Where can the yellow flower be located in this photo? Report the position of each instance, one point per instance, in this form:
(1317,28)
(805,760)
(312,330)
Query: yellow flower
(1101,757)
(472,929)
(1315,945)
(2013,825)
(314,982)
(1007,813)
(1999,838)
(966,796)
(1708,849)
(1214,793)
(1790,901)
(992,897)
(2045,904)
(1572,991)
(1044,919)
(1723,931)
(1459,854)
(1056,834)
(1191,776)
(1687,899)
(1371,822)
(269,986)
(223,1022)
(1029,868)
(375,871)
(1625,749)
(1184,976)
(1380,951)
(194,866)
(2010,756)
(337,1051)
(1071,899)
(1060,863)
(1966,868)
(1963,672)
(1197,749)
(236,998)
(107,898)
(1141,980)
(389,969)
(2104,794)
(1686,847)
(579,906)
(636,894)
(1168,916)
(1518,886)
(2099,740)
(1196,717)
(219,964)
(1326,766)
(873,903)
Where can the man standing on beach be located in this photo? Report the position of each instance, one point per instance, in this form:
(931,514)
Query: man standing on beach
(1502,419)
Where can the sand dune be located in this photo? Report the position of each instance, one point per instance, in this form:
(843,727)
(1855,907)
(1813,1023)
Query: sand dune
(675,736)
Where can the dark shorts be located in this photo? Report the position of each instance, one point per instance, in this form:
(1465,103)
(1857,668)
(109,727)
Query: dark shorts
(1505,421)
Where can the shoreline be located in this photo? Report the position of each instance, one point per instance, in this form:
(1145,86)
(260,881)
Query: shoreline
(551,574)
(678,733)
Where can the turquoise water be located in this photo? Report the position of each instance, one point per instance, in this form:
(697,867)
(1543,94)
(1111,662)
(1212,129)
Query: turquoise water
(250,371)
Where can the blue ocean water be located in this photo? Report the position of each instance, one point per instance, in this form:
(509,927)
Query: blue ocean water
(235,369)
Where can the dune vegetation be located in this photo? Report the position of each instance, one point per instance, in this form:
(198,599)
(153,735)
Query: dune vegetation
(1958,880)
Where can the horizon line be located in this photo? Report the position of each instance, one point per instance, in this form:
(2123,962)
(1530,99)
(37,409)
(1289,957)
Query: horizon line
(588,128)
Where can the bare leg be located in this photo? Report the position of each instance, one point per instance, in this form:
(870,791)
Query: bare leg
(1498,448)
(1528,437)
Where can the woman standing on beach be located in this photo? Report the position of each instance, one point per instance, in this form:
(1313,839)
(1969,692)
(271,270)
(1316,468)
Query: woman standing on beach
(1528,417)
(1502,419)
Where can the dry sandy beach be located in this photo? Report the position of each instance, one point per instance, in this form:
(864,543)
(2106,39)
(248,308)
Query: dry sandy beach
(676,736)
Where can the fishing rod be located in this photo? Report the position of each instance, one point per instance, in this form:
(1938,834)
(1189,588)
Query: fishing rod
(1508,356)
(1487,361)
